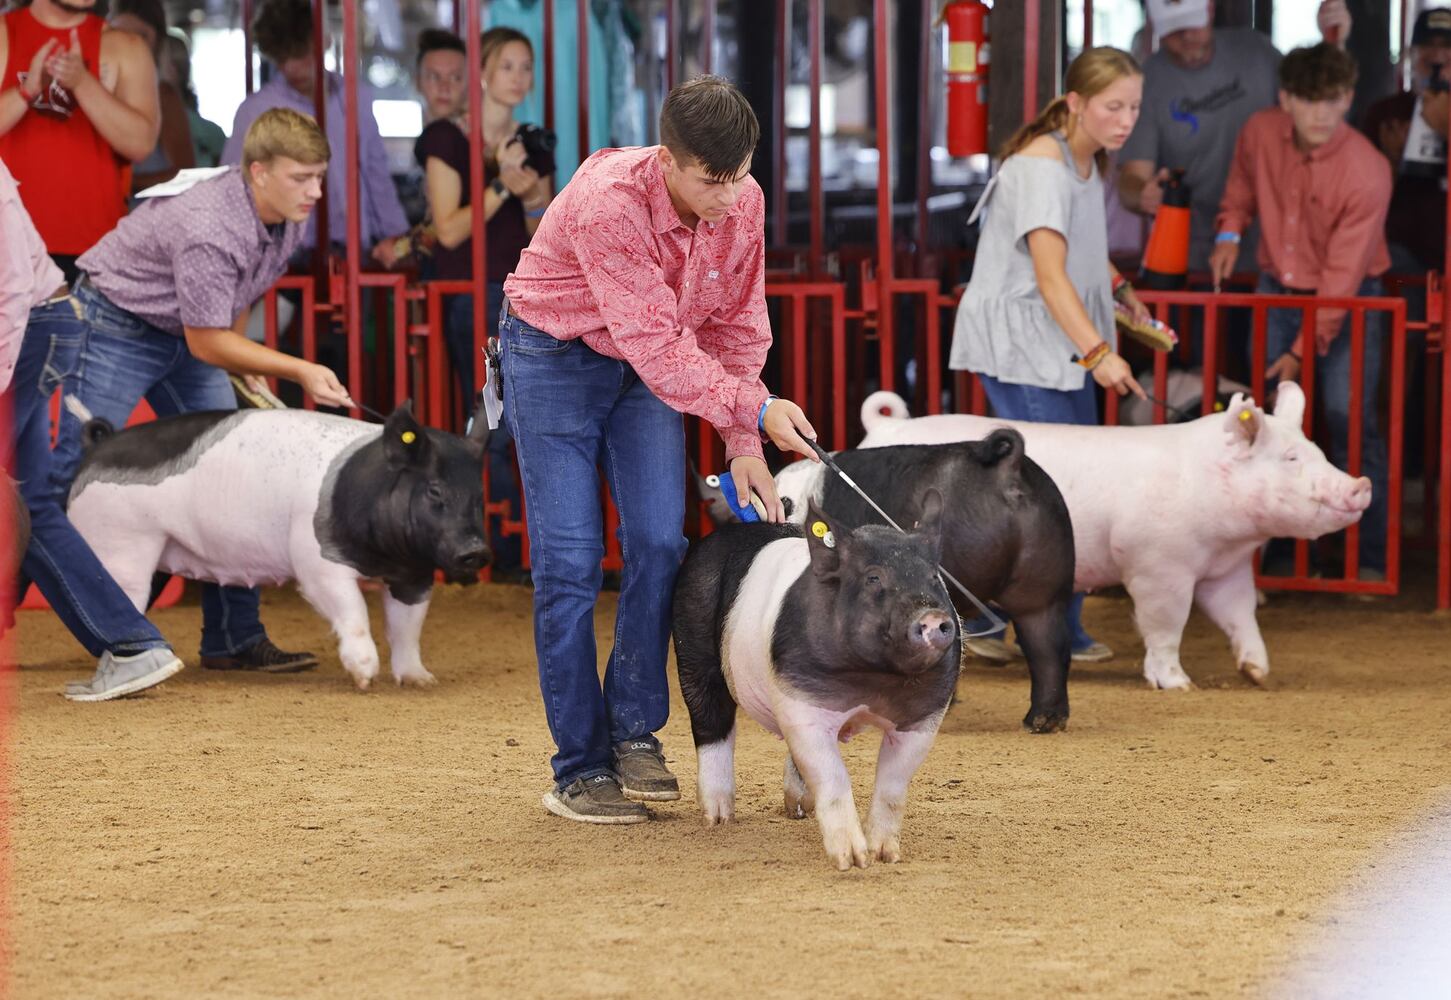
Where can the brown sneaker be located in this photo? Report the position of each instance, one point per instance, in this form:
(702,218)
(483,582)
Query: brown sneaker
(643,774)
(594,800)
(262,657)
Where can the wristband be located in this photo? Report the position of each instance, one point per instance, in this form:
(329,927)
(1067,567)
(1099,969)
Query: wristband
(761,417)
(1227,237)
(499,188)
(1121,286)
(1093,357)
(537,213)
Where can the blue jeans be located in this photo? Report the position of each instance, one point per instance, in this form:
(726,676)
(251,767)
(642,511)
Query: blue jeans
(124,359)
(574,411)
(1332,381)
(1043,406)
(83,595)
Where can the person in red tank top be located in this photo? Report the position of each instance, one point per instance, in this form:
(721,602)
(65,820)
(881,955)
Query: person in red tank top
(78,105)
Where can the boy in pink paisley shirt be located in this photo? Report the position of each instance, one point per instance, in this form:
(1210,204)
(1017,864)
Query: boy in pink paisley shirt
(641,297)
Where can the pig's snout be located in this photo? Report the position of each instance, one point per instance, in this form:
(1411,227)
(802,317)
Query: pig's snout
(1358,497)
(932,630)
(1349,495)
(472,558)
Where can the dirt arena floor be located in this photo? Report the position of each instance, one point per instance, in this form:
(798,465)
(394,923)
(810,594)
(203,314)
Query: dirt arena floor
(236,836)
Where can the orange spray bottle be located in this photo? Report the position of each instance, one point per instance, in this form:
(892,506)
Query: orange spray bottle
(1166,257)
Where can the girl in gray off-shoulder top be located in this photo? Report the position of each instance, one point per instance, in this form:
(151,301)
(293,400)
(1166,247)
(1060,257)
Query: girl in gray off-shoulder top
(1037,318)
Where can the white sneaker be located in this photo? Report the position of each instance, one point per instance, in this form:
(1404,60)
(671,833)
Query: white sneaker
(118,676)
(993,648)
(1094,652)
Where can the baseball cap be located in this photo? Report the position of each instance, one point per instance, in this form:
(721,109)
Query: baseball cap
(1169,16)
(1432,25)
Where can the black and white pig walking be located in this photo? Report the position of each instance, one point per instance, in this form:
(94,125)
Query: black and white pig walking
(266,496)
(1006,535)
(817,637)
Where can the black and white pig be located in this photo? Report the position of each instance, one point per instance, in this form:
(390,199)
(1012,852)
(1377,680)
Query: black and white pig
(1006,536)
(818,635)
(265,496)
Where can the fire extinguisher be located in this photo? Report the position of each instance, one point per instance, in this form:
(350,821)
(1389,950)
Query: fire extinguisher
(967,73)
(1166,256)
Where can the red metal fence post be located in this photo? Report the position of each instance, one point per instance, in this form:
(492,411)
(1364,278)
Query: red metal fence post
(478,247)
(352,65)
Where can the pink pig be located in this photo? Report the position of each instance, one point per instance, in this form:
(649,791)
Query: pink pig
(1174,513)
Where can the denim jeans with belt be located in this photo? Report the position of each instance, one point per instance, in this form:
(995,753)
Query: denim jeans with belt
(1332,380)
(125,359)
(1037,405)
(58,560)
(574,412)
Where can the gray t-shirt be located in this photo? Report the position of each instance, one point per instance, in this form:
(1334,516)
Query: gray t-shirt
(1191,118)
(1003,326)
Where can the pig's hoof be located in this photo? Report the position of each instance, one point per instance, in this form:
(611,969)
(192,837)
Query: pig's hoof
(416,678)
(718,810)
(798,806)
(1169,679)
(1046,722)
(887,849)
(848,847)
(847,858)
(1254,673)
(798,799)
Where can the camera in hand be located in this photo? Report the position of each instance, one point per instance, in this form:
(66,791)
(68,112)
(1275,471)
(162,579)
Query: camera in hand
(539,143)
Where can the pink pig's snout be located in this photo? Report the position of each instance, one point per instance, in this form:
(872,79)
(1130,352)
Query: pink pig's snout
(1352,496)
(932,630)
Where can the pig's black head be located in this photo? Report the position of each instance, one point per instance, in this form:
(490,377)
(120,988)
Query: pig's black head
(435,494)
(708,489)
(881,594)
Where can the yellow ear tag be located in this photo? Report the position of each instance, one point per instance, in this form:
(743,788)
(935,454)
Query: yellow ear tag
(1244,416)
(819,529)
(409,437)
(1218,407)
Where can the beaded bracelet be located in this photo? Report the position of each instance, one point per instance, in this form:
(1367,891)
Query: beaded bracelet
(1093,357)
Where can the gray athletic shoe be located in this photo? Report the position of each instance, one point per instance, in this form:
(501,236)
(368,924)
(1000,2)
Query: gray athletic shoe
(640,765)
(119,676)
(594,800)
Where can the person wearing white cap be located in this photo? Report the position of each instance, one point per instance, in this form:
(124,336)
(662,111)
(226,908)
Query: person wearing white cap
(1200,87)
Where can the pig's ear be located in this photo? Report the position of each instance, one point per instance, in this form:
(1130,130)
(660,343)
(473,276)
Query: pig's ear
(929,522)
(1243,421)
(477,437)
(1290,403)
(823,538)
(405,442)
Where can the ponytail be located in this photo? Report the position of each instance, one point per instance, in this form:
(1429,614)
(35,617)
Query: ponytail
(1053,118)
